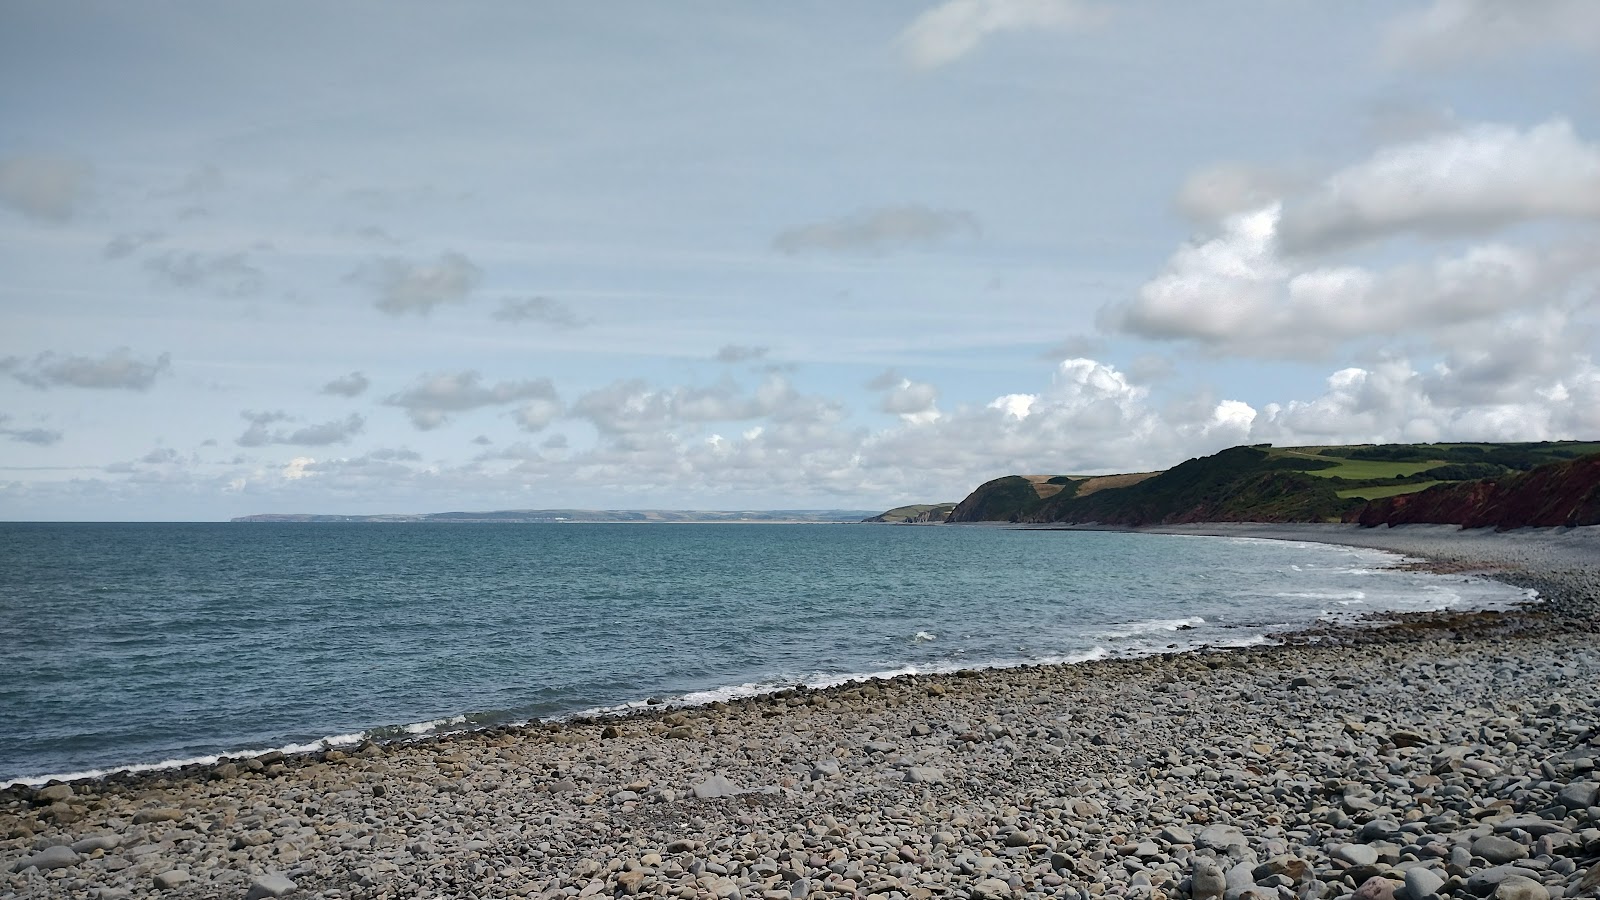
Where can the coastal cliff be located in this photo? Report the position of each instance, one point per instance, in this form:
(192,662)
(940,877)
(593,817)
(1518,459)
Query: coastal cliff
(1548,483)
(1555,495)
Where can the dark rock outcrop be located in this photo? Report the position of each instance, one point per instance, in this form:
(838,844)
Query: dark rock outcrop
(1555,495)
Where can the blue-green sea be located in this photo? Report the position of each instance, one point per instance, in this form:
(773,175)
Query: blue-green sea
(130,645)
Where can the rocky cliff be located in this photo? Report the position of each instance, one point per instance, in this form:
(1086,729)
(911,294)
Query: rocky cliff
(1559,494)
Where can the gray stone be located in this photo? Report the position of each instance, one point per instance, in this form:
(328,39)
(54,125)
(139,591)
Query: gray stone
(1578,795)
(93,842)
(171,878)
(57,857)
(1221,837)
(269,885)
(1378,830)
(1484,881)
(1356,854)
(825,768)
(1532,825)
(991,889)
(924,775)
(1422,882)
(1207,882)
(1498,850)
(1518,887)
(54,793)
(715,787)
(1174,834)
(1240,878)
(146,816)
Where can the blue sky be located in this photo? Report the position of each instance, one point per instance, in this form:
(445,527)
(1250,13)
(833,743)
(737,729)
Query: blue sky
(382,257)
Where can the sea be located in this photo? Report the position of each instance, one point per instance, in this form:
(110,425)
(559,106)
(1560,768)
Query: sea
(136,646)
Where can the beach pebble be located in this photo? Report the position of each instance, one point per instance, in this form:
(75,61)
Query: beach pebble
(171,878)
(1422,882)
(714,787)
(53,793)
(269,885)
(1498,849)
(57,857)
(1519,887)
(1356,854)
(925,775)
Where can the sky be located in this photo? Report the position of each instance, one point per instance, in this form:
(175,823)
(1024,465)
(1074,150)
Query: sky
(379,257)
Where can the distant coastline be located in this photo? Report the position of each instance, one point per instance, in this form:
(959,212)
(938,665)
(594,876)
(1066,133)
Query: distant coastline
(581,516)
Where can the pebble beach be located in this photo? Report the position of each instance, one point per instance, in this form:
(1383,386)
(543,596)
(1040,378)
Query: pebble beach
(1425,756)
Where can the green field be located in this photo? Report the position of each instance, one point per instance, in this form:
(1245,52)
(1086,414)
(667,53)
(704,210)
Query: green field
(1393,490)
(1366,469)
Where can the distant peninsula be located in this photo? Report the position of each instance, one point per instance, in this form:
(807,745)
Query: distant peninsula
(583,516)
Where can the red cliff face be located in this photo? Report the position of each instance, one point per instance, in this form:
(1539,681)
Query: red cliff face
(1560,494)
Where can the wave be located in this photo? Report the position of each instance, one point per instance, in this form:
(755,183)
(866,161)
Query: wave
(1151,626)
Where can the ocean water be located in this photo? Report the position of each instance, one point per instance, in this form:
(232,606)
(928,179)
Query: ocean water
(132,645)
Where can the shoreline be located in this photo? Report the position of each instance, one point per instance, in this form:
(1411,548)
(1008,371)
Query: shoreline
(599,789)
(1352,628)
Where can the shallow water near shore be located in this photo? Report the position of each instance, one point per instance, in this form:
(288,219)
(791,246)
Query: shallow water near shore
(147,644)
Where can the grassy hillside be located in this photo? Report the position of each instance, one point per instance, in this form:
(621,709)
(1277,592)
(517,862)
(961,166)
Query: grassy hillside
(1259,484)
(915,514)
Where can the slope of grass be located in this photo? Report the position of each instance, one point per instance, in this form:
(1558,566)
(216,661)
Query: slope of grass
(1392,490)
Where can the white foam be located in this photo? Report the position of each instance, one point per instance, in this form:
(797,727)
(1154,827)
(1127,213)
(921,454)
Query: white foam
(337,740)
(921,636)
(1151,626)
(434,725)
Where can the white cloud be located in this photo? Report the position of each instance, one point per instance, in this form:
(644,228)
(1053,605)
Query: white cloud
(956,28)
(1226,189)
(1451,32)
(45,189)
(1470,181)
(634,407)
(352,385)
(915,402)
(537,309)
(877,230)
(738,353)
(1234,293)
(117,370)
(231,274)
(434,398)
(259,434)
(39,437)
(411,287)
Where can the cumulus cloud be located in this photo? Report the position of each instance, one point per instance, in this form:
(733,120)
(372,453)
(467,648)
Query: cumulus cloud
(1452,32)
(434,398)
(1225,189)
(231,274)
(877,230)
(1235,294)
(1470,181)
(410,287)
(537,309)
(352,385)
(45,189)
(739,353)
(261,433)
(117,370)
(955,28)
(915,402)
